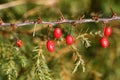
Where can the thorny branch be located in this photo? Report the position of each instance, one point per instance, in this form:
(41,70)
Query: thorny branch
(39,21)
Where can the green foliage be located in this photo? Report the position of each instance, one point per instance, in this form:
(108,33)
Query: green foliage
(31,63)
(40,68)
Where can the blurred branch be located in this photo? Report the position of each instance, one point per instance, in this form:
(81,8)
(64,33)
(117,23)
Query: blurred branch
(20,2)
(12,4)
(44,2)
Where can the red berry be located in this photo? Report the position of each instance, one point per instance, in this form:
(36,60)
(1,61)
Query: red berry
(104,42)
(19,43)
(107,31)
(57,32)
(69,40)
(50,45)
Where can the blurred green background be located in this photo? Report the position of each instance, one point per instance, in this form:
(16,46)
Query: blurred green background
(100,63)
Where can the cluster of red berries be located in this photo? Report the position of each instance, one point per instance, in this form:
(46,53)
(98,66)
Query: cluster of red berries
(104,41)
(57,34)
(69,39)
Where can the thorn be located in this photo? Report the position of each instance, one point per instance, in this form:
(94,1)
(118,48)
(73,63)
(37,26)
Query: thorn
(61,15)
(1,21)
(39,20)
(113,13)
(81,17)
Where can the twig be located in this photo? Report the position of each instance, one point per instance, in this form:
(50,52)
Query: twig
(64,21)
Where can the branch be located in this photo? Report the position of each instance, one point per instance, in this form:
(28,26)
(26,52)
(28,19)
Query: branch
(39,21)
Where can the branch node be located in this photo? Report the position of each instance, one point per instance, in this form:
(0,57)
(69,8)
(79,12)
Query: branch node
(74,23)
(13,26)
(38,21)
(95,18)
